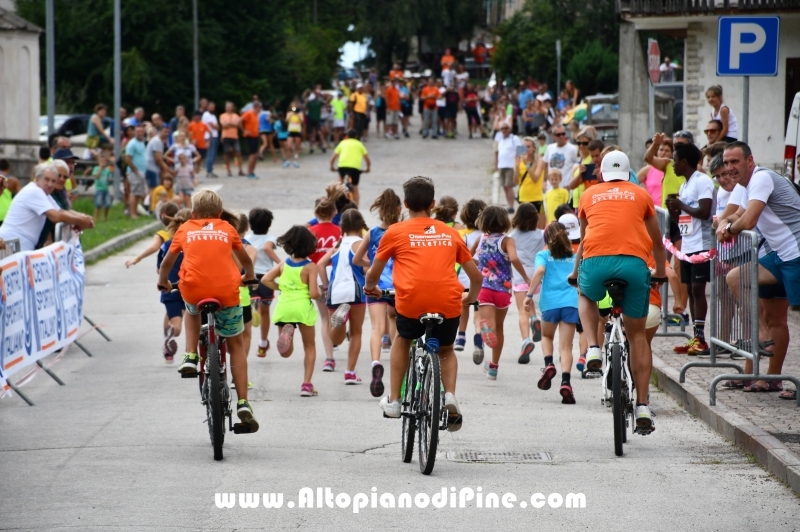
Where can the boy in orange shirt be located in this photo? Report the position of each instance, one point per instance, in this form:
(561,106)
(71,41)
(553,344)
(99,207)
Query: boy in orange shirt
(199,133)
(250,134)
(206,241)
(425,252)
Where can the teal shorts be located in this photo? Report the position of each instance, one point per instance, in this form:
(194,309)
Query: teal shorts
(594,271)
(227,320)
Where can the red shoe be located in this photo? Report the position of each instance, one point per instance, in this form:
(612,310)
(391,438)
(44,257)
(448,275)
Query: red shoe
(567,397)
(698,348)
(684,349)
(547,375)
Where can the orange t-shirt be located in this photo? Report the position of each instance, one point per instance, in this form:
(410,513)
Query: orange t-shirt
(429,96)
(425,280)
(448,60)
(197,132)
(208,270)
(229,119)
(395,74)
(250,123)
(392,98)
(615,214)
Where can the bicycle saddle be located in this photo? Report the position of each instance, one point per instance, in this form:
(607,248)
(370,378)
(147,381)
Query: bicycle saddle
(425,318)
(209,305)
(615,290)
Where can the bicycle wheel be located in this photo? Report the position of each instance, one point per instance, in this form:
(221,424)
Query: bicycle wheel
(407,407)
(216,426)
(617,406)
(429,412)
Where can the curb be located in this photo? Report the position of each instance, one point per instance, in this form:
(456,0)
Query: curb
(120,241)
(770,452)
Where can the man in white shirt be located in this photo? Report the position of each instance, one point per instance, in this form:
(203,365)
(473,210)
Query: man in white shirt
(33,205)
(560,155)
(210,119)
(693,210)
(505,157)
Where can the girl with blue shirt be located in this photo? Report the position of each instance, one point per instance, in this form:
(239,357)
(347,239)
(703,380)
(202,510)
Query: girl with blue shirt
(558,302)
(267,132)
(282,134)
(389,206)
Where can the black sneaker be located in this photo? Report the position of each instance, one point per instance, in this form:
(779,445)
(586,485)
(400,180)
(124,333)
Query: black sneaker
(245,413)
(376,386)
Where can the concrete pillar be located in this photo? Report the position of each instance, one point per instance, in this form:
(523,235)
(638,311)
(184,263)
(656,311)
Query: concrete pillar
(694,92)
(633,95)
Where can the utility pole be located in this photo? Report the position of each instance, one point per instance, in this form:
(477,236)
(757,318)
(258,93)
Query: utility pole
(558,69)
(196,58)
(50,53)
(117,96)
(315,12)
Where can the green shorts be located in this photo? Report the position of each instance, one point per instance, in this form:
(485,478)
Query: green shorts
(594,271)
(227,320)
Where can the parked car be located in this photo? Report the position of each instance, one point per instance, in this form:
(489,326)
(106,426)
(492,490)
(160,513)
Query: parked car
(72,126)
(348,73)
(792,140)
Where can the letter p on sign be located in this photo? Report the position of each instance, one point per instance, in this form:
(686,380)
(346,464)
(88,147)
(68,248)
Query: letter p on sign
(748,46)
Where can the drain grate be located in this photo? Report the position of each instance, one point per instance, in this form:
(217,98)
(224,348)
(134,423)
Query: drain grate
(498,457)
(787,437)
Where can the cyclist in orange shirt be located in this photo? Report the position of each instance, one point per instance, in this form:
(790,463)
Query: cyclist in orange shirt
(209,243)
(250,133)
(425,279)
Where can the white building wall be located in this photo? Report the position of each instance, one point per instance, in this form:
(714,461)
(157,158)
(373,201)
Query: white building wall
(19,85)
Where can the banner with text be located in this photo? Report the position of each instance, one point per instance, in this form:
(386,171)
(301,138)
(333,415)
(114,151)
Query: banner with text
(41,304)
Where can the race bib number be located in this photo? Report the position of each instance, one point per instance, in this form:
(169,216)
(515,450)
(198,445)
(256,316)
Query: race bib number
(685,225)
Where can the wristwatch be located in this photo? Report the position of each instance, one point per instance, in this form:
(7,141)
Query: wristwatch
(728,228)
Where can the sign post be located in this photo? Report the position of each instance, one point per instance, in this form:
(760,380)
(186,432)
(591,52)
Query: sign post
(653,68)
(747,46)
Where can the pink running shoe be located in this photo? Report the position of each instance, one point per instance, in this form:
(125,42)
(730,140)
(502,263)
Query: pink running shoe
(487,334)
(307,390)
(285,338)
(351,378)
(329,365)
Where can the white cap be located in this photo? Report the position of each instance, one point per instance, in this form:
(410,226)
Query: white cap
(570,221)
(359,85)
(616,167)
(543,97)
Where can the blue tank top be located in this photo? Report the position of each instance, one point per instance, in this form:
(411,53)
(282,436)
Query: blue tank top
(264,125)
(375,235)
(174,273)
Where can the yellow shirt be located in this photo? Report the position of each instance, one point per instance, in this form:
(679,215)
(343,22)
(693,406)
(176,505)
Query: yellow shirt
(528,189)
(359,102)
(156,192)
(577,191)
(671,184)
(552,200)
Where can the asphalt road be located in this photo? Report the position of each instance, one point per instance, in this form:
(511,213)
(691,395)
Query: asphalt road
(123,444)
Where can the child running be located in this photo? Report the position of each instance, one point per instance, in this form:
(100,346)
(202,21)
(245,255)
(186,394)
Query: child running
(172,301)
(559,305)
(496,254)
(327,234)
(209,242)
(389,208)
(446,211)
(296,278)
(425,282)
(470,234)
(346,297)
(266,259)
(242,227)
(185,180)
(529,241)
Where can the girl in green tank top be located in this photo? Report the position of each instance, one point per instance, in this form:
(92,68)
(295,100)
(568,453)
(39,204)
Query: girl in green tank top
(296,279)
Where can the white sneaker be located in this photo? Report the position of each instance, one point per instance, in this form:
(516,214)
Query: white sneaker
(339,315)
(594,359)
(454,419)
(644,420)
(390,408)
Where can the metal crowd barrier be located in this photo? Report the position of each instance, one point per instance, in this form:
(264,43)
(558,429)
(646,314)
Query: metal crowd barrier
(12,246)
(734,319)
(666,315)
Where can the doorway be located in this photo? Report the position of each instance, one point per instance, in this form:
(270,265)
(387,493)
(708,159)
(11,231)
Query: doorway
(792,84)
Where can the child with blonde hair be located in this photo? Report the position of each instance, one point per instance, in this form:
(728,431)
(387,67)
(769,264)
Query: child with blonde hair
(555,196)
(470,234)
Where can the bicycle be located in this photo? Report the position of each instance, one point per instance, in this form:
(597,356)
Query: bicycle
(616,371)
(422,396)
(215,394)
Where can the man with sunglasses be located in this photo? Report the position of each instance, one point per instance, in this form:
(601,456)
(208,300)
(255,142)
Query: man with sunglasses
(560,155)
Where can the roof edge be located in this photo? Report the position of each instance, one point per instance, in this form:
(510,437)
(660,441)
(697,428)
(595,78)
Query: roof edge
(11,21)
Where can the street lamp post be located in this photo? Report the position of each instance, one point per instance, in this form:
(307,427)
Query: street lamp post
(117,96)
(50,59)
(196,58)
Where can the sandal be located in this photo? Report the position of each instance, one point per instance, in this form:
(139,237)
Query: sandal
(772,386)
(789,395)
(733,385)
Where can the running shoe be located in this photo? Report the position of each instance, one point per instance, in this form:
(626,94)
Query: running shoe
(547,376)
(536,328)
(351,378)
(296,164)
(252,176)
(376,386)
(307,390)
(390,409)
(241,173)
(491,372)
(581,363)
(285,338)
(386,344)
(170,345)
(698,348)
(245,413)
(329,364)
(339,315)
(461,341)
(674,321)
(644,420)
(454,419)
(477,353)
(685,349)
(189,366)
(567,397)
(527,349)
(594,359)
(286,164)
(262,351)
(168,357)
(487,334)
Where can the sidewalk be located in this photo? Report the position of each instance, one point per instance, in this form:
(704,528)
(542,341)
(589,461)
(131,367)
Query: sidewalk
(771,424)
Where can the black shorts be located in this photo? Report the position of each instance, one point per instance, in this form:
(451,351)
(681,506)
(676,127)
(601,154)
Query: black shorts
(265,293)
(252,145)
(442,111)
(695,273)
(537,205)
(473,117)
(355,175)
(771,291)
(313,125)
(231,146)
(203,152)
(295,135)
(247,314)
(412,329)
(451,111)
(674,232)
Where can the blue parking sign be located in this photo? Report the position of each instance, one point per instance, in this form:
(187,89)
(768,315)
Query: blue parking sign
(748,46)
